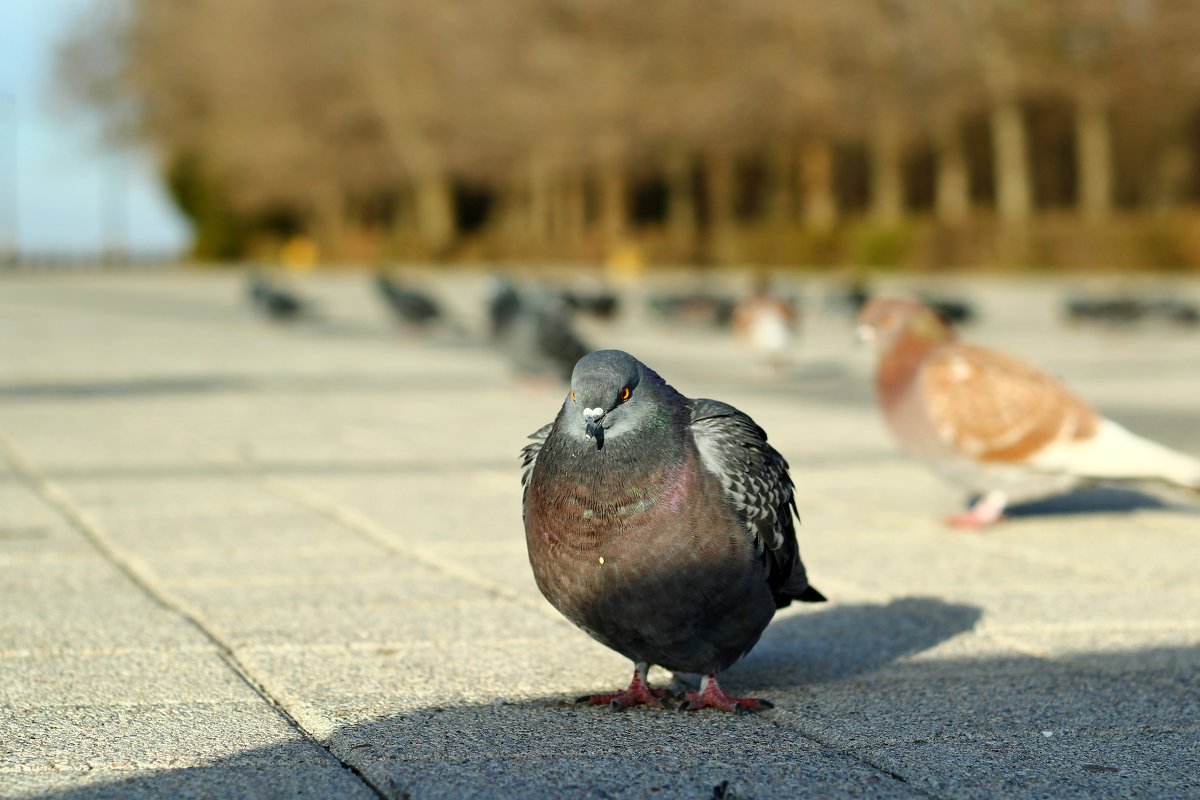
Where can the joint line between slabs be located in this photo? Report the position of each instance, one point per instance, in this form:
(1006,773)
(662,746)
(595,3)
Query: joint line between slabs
(856,757)
(320,503)
(59,500)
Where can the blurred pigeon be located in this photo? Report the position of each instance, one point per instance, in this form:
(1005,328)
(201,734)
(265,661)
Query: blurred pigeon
(274,301)
(951,310)
(995,423)
(660,525)
(410,306)
(1171,309)
(848,300)
(533,328)
(695,307)
(503,306)
(597,303)
(765,323)
(1116,310)
(1124,310)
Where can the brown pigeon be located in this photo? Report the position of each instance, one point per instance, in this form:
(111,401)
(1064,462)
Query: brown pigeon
(994,423)
(660,525)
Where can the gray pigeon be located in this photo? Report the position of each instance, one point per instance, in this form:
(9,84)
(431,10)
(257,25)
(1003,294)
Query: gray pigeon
(532,327)
(660,525)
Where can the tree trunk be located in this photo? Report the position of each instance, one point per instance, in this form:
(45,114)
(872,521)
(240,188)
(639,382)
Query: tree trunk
(887,170)
(720,190)
(1010,147)
(538,209)
(953,186)
(435,211)
(1093,157)
(329,216)
(779,182)
(573,207)
(681,199)
(1170,178)
(818,205)
(614,204)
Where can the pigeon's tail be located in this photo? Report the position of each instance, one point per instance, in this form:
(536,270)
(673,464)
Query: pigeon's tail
(1115,453)
(811,595)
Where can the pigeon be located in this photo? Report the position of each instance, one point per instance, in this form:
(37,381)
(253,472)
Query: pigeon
(660,525)
(598,303)
(503,306)
(533,328)
(274,301)
(764,323)
(698,308)
(995,423)
(1129,311)
(410,306)
(951,310)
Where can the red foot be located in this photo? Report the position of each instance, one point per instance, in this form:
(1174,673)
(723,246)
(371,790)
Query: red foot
(711,696)
(970,521)
(639,692)
(987,511)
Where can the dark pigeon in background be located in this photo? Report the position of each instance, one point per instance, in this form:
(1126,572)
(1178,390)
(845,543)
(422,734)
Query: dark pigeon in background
(410,306)
(533,327)
(1124,310)
(598,303)
(503,306)
(662,526)
(702,308)
(951,310)
(274,301)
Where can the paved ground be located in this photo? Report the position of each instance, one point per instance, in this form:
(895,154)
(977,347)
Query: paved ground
(239,559)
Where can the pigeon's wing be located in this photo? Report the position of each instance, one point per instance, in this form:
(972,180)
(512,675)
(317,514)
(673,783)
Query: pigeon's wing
(994,407)
(529,454)
(755,478)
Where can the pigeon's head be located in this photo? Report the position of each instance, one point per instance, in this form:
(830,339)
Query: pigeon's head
(610,394)
(885,321)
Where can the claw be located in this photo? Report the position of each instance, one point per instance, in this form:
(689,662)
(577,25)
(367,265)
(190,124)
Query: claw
(638,693)
(711,696)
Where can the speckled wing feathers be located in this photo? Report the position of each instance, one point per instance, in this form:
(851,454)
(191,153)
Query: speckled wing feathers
(755,478)
(998,408)
(529,454)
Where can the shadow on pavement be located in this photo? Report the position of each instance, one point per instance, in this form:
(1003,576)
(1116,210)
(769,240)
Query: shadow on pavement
(325,382)
(1099,500)
(855,717)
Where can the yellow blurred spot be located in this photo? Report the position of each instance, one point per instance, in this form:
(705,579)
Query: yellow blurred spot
(299,253)
(625,261)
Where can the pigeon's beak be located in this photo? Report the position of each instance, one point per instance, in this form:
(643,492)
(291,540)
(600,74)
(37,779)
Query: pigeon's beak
(593,422)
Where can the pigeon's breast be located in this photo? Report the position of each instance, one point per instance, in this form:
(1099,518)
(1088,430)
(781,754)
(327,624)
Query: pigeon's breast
(658,568)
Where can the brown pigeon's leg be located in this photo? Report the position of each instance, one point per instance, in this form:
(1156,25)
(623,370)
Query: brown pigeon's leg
(986,511)
(711,696)
(639,691)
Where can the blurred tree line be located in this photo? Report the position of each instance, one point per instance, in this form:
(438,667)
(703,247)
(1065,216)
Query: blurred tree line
(937,132)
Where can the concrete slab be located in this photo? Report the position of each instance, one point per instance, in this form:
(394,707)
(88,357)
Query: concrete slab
(338,507)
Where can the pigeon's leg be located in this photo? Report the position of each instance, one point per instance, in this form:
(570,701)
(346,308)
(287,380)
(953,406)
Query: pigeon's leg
(639,691)
(711,696)
(986,511)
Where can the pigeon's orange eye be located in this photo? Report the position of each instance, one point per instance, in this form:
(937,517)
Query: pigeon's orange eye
(572,395)
(625,394)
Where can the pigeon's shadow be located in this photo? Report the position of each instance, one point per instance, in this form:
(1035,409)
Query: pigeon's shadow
(1098,500)
(812,644)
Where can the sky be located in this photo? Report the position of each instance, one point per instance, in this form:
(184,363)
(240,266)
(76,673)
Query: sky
(60,189)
